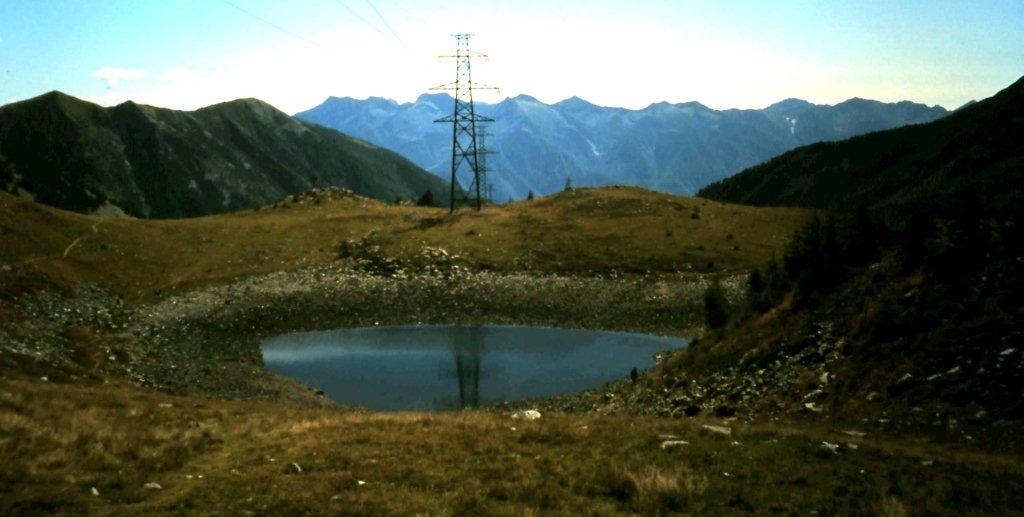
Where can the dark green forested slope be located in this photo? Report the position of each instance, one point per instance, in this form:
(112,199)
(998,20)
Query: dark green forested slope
(977,147)
(160,163)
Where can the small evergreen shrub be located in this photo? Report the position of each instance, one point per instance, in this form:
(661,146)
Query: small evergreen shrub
(716,307)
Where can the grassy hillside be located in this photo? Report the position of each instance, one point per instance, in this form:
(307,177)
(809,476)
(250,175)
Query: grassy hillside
(160,163)
(81,432)
(587,231)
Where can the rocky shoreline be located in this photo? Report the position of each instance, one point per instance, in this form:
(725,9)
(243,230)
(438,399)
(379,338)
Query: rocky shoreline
(206,342)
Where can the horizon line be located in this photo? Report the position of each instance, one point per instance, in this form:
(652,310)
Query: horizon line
(507,98)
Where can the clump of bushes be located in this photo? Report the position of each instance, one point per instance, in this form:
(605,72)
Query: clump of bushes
(427,199)
(948,240)
(822,254)
(716,306)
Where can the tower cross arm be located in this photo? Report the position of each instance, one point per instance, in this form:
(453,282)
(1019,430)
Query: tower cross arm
(463,86)
(465,54)
(467,118)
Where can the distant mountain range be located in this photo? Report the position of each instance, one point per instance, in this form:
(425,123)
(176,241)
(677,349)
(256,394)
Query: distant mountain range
(160,163)
(676,148)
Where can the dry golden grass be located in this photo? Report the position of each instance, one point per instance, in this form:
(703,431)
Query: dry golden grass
(61,441)
(579,232)
(92,447)
(892,507)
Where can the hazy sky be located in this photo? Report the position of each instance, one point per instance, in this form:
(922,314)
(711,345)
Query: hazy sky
(725,54)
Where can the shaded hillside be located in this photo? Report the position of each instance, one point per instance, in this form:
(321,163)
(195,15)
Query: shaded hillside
(159,163)
(977,147)
(674,148)
(904,306)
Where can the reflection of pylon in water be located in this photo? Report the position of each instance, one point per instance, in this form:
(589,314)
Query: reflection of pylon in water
(464,120)
(468,344)
(467,367)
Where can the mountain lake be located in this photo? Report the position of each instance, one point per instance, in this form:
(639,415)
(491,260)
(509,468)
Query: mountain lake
(445,367)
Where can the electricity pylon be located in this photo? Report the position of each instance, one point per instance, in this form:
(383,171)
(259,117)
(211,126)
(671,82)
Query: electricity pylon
(482,152)
(464,120)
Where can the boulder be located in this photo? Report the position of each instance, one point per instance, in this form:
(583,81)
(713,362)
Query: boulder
(668,444)
(528,414)
(717,429)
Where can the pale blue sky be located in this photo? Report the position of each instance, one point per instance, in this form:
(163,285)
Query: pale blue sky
(744,54)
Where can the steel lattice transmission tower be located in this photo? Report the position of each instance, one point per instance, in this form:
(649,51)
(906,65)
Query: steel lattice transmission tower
(485,170)
(466,156)
(482,153)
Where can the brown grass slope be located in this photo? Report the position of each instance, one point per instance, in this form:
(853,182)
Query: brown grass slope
(586,231)
(94,449)
(92,444)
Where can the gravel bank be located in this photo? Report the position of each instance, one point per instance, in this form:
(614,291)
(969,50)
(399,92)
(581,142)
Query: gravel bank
(206,342)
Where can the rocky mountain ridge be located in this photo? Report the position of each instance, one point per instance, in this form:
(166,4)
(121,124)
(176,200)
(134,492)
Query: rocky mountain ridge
(676,148)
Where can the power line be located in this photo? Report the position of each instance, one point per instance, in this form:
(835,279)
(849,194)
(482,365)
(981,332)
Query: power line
(360,18)
(386,24)
(296,35)
(276,26)
(443,9)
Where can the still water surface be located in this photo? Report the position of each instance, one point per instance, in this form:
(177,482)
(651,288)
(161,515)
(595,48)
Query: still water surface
(438,367)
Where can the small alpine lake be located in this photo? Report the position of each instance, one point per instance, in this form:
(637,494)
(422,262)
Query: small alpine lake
(442,367)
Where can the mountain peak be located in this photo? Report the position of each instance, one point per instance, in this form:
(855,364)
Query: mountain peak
(665,105)
(381,100)
(372,100)
(575,102)
(249,106)
(250,102)
(61,102)
(857,101)
(695,104)
(57,96)
(522,97)
(434,97)
(790,103)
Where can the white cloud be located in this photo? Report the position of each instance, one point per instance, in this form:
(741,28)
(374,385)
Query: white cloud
(178,75)
(112,76)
